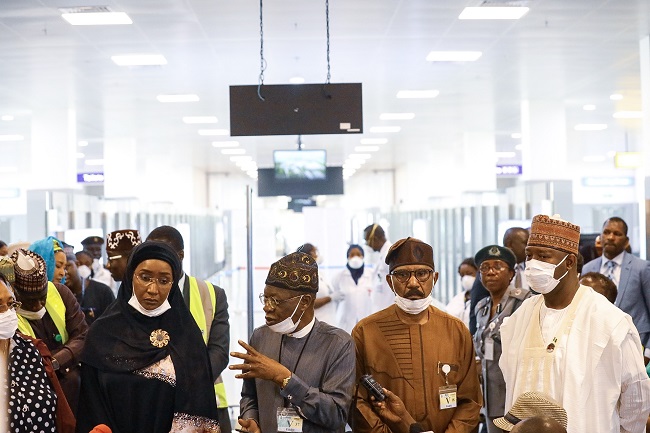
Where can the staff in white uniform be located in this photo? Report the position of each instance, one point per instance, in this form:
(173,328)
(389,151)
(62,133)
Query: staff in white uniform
(355,284)
(382,295)
(326,298)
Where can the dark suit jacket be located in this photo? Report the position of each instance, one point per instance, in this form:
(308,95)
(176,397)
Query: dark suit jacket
(633,291)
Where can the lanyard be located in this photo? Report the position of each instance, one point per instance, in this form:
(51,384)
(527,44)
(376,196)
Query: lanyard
(299,355)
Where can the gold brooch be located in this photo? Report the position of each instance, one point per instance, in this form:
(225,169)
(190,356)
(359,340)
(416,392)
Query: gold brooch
(159,338)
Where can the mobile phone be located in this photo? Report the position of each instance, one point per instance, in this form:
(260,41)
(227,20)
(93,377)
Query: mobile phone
(373,387)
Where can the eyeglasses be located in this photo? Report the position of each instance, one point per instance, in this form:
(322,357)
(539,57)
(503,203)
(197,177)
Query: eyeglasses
(485,268)
(12,305)
(421,275)
(147,280)
(270,301)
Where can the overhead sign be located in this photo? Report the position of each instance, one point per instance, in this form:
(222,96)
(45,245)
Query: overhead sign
(90,177)
(509,169)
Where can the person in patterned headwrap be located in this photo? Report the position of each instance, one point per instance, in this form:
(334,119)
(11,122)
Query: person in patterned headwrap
(296,367)
(571,343)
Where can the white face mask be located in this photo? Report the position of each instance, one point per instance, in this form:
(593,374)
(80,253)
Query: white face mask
(540,275)
(412,306)
(32,315)
(149,313)
(8,324)
(287,326)
(83,271)
(355,262)
(467,281)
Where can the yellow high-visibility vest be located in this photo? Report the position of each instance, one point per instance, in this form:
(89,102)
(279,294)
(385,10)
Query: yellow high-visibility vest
(203,307)
(55,307)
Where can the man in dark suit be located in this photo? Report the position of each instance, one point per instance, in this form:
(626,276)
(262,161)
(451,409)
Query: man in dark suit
(630,274)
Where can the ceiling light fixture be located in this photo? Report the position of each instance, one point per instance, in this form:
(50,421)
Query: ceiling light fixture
(213,132)
(616,97)
(374,140)
(296,80)
(97,18)
(454,56)
(396,116)
(589,107)
(188,97)
(200,119)
(82,143)
(240,158)
(366,148)
(221,144)
(590,127)
(519,147)
(628,115)
(139,60)
(417,94)
(356,156)
(80,155)
(384,129)
(493,13)
(233,151)
(11,137)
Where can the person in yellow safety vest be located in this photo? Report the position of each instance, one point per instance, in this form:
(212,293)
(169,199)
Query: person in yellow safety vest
(208,305)
(50,312)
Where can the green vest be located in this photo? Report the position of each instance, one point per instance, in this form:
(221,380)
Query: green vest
(55,306)
(203,307)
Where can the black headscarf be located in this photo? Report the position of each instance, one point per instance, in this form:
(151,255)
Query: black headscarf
(356,273)
(119,340)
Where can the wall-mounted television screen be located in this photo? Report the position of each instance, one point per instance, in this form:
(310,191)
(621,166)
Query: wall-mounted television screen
(299,164)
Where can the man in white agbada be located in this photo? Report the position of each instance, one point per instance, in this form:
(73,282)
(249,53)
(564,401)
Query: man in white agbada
(572,343)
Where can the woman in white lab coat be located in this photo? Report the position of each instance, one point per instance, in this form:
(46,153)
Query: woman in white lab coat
(354,283)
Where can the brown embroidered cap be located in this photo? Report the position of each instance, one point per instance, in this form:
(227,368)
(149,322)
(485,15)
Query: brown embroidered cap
(30,274)
(122,241)
(409,251)
(528,405)
(495,252)
(553,232)
(296,271)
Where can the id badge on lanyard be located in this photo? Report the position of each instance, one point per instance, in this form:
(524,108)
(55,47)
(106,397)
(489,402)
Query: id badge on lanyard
(289,420)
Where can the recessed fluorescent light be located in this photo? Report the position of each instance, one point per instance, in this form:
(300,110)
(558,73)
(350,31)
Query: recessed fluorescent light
(189,97)
(200,119)
(590,127)
(11,137)
(628,115)
(506,154)
(374,140)
(593,158)
(519,147)
(453,56)
(382,129)
(589,107)
(351,166)
(213,132)
(220,144)
(516,135)
(82,143)
(97,18)
(360,156)
(417,94)
(366,148)
(139,60)
(7,118)
(493,13)
(241,158)
(296,80)
(396,116)
(616,97)
(80,155)
(252,173)
(233,151)
(94,162)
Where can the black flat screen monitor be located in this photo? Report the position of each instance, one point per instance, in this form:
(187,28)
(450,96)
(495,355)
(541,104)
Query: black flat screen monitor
(269,186)
(299,164)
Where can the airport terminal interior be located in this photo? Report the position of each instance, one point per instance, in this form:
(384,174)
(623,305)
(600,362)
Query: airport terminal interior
(463,118)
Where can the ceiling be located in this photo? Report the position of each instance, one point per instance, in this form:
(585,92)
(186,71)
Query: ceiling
(577,52)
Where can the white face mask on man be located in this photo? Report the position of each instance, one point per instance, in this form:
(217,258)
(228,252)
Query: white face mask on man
(287,326)
(32,315)
(412,306)
(541,275)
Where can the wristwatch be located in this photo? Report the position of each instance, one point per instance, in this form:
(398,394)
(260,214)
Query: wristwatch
(55,364)
(285,382)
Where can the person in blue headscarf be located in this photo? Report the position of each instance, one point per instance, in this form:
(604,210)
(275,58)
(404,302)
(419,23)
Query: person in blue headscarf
(355,283)
(51,250)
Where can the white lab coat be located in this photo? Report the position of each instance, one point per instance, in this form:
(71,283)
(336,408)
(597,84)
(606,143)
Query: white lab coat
(356,304)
